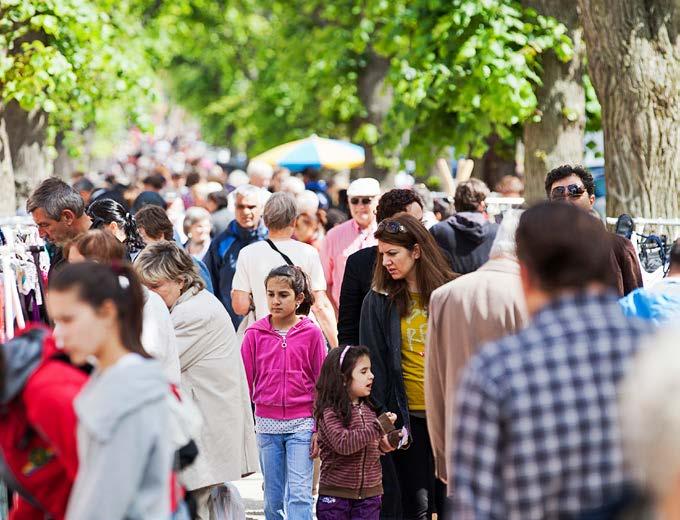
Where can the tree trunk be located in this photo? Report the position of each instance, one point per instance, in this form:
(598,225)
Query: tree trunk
(64,165)
(634,63)
(8,200)
(376,95)
(497,161)
(558,137)
(27,140)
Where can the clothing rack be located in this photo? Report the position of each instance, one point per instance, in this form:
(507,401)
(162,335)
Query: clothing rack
(23,292)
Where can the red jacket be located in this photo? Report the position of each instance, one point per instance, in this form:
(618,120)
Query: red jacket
(38,426)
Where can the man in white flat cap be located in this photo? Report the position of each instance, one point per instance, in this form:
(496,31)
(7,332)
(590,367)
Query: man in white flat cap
(351,236)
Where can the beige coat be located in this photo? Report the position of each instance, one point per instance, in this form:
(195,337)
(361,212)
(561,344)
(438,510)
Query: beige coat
(463,315)
(214,377)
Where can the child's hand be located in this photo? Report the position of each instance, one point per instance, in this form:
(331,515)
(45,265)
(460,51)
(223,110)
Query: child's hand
(314,447)
(391,416)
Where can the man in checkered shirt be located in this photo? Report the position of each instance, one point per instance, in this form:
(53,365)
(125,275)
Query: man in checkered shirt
(536,429)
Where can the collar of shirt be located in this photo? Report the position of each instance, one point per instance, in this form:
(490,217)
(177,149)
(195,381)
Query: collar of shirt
(369,231)
(579,306)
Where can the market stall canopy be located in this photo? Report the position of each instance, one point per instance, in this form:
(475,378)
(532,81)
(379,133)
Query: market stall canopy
(314,152)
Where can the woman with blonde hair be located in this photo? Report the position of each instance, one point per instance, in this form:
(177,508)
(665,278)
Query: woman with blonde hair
(212,370)
(409,267)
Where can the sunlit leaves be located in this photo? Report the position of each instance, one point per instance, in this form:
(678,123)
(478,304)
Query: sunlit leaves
(261,72)
(72,59)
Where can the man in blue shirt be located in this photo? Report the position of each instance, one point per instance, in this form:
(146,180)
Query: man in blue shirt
(246,228)
(659,303)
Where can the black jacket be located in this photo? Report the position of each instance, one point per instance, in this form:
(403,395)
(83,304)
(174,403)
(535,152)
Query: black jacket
(356,283)
(380,331)
(468,238)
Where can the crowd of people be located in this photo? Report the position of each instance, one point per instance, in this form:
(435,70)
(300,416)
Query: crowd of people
(204,327)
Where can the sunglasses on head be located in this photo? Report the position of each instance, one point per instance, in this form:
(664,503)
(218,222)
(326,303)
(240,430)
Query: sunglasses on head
(360,200)
(392,227)
(573,190)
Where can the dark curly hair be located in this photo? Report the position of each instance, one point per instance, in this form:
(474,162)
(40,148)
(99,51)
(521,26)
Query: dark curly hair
(395,201)
(298,283)
(334,379)
(566,170)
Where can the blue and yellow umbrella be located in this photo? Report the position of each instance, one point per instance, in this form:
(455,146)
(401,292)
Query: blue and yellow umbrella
(314,152)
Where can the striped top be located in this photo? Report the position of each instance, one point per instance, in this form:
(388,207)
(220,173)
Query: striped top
(350,457)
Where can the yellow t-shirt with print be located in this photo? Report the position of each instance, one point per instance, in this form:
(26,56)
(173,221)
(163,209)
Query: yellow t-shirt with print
(413,333)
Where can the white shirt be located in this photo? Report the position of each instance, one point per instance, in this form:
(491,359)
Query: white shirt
(158,335)
(256,260)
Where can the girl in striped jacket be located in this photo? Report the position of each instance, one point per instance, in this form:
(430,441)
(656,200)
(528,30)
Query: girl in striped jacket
(351,437)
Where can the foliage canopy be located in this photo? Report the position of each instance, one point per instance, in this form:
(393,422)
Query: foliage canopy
(259,73)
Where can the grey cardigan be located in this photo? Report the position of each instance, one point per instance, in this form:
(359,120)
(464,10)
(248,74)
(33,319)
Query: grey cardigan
(124,450)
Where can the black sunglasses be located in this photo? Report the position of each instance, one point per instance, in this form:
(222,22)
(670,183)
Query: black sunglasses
(360,200)
(573,190)
(392,227)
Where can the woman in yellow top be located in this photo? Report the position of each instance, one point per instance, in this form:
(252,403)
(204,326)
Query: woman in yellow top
(410,266)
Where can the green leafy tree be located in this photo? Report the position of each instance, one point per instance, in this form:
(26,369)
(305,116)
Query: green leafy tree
(61,63)
(407,78)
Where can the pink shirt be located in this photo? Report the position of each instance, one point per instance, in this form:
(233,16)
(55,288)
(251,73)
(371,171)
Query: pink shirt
(340,242)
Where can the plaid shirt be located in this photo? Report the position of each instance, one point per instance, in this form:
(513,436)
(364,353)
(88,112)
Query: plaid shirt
(536,433)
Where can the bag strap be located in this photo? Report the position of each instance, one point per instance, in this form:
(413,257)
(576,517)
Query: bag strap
(285,257)
(12,483)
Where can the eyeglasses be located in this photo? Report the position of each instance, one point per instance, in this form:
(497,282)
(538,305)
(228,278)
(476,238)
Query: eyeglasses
(392,227)
(355,201)
(573,190)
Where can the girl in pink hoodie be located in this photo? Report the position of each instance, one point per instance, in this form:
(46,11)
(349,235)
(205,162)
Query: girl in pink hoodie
(282,354)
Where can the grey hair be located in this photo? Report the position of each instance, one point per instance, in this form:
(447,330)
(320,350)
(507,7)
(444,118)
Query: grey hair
(193,215)
(54,196)
(505,244)
(260,169)
(280,211)
(293,185)
(650,416)
(245,190)
(166,261)
(307,202)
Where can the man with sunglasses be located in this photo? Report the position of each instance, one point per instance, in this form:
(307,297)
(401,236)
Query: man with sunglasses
(351,236)
(246,228)
(575,185)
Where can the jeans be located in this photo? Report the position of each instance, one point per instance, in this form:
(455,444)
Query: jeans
(288,473)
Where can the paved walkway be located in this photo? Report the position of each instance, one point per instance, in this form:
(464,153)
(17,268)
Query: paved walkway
(251,492)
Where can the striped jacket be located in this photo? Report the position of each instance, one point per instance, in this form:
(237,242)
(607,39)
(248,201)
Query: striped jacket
(350,456)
